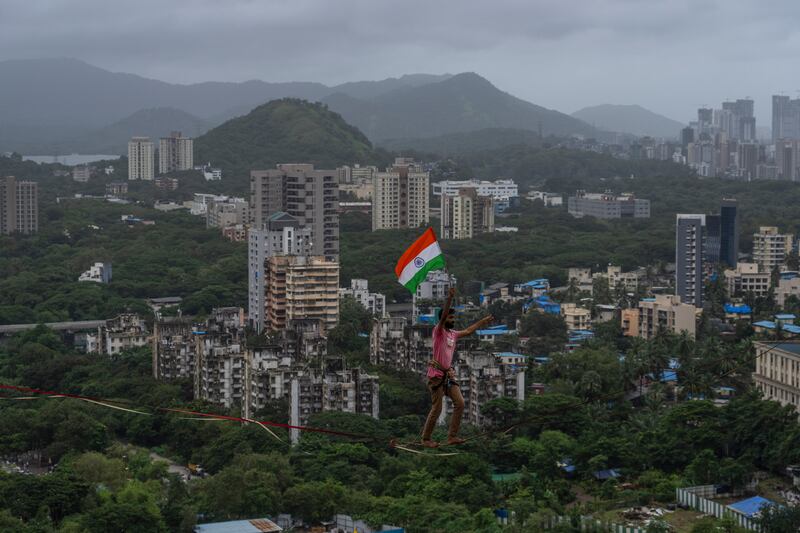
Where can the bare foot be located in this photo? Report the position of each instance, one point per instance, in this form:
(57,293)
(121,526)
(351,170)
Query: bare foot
(430,444)
(455,440)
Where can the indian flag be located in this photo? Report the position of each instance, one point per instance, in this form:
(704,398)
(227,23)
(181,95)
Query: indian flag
(420,258)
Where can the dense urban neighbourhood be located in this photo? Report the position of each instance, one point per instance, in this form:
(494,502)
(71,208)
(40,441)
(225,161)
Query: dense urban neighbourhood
(614,423)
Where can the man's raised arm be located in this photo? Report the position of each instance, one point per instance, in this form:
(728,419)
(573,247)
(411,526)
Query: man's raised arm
(448,305)
(476,326)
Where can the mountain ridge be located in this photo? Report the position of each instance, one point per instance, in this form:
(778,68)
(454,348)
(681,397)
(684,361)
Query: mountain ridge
(463,102)
(630,118)
(48,103)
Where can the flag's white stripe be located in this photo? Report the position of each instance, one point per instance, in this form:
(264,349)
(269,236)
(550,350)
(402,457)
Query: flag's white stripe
(427,254)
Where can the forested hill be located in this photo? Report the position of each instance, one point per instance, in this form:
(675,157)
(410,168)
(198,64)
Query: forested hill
(465,102)
(281,131)
(464,143)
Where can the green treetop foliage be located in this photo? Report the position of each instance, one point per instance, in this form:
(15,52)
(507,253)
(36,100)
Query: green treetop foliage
(177,256)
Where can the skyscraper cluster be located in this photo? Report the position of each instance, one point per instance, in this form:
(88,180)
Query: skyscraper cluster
(723,142)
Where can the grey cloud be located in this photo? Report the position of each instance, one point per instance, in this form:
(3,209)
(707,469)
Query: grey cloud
(667,55)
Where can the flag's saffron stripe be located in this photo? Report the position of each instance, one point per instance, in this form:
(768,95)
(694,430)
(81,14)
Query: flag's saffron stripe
(427,238)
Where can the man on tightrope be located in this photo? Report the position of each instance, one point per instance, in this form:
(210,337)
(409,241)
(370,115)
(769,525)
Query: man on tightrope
(441,377)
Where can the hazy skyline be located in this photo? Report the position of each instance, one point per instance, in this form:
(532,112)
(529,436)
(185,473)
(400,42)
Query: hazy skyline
(670,57)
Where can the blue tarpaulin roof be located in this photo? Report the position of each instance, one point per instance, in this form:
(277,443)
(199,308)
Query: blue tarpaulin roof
(785,316)
(751,506)
(494,332)
(738,309)
(606,474)
(510,354)
(567,466)
(669,375)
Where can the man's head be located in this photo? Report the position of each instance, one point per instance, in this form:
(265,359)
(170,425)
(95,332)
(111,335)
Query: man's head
(450,319)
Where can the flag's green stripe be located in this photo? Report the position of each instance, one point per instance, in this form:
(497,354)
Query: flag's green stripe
(435,263)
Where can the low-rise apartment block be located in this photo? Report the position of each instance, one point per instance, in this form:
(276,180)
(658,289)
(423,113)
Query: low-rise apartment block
(748,278)
(482,377)
(175,348)
(662,313)
(777,373)
(498,189)
(577,318)
(99,272)
(82,173)
(118,334)
(583,278)
(291,364)
(117,188)
(396,344)
(787,286)
(549,199)
(228,212)
(770,248)
(373,302)
(607,205)
(166,184)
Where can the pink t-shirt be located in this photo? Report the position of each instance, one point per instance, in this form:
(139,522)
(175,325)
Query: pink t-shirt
(444,344)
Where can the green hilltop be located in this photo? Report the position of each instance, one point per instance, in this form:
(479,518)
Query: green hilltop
(282,131)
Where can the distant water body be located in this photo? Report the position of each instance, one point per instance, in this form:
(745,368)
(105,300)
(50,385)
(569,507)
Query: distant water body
(69,160)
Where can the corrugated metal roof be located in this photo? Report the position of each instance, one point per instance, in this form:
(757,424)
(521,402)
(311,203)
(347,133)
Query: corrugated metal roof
(256,525)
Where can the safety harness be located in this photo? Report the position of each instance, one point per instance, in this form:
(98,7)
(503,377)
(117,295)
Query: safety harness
(447,381)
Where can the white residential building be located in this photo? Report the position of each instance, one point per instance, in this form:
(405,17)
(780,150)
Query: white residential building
(498,189)
(550,199)
(140,158)
(227,213)
(81,173)
(372,301)
(198,206)
(746,278)
(770,248)
(435,288)
(98,273)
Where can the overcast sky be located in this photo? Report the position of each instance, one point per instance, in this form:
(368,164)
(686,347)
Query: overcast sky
(668,55)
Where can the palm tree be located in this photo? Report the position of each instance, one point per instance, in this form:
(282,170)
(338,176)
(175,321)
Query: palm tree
(591,384)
